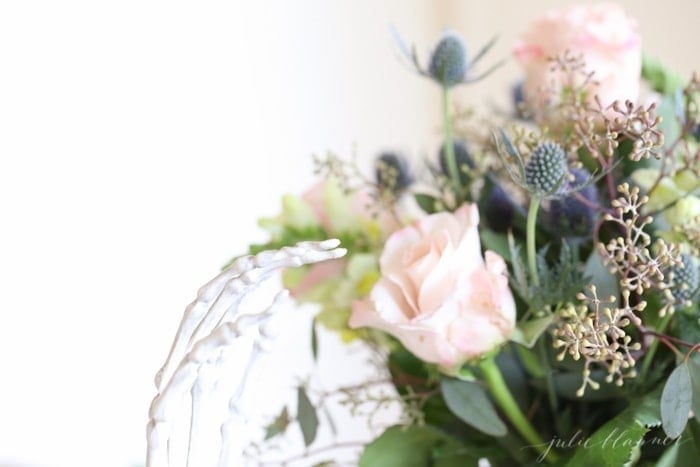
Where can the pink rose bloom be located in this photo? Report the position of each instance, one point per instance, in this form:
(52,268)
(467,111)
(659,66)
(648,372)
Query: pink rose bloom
(339,213)
(437,294)
(605,36)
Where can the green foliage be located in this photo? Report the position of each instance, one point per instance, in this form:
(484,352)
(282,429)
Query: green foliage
(560,280)
(306,416)
(605,282)
(676,401)
(314,340)
(428,203)
(661,79)
(496,242)
(468,401)
(416,446)
(279,424)
(694,372)
(618,441)
(526,333)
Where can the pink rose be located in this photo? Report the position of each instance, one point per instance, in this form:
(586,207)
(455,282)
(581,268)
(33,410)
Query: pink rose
(340,213)
(603,34)
(437,294)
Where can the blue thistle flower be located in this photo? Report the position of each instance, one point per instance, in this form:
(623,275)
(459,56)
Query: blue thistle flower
(685,279)
(570,214)
(392,172)
(499,210)
(448,63)
(545,170)
(463,158)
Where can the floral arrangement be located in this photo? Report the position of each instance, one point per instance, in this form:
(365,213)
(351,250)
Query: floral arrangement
(533,295)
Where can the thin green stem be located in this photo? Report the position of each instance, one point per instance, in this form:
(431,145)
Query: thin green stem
(509,406)
(452,167)
(649,357)
(531,231)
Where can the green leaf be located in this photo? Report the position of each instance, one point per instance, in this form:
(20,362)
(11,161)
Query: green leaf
(468,401)
(530,361)
(694,371)
(427,203)
(615,443)
(606,283)
(314,340)
(306,416)
(496,242)
(416,446)
(660,78)
(676,401)
(279,424)
(526,333)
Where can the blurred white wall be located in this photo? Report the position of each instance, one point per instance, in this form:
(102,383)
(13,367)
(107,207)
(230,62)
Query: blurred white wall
(141,140)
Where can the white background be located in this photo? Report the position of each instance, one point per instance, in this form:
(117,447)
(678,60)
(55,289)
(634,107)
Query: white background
(141,140)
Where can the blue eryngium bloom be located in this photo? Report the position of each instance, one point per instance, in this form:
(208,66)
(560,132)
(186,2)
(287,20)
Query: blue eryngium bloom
(575,214)
(392,172)
(545,176)
(449,64)
(545,170)
(463,158)
(685,278)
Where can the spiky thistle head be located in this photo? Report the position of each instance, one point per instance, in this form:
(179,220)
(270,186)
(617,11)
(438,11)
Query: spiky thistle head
(546,168)
(685,278)
(392,172)
(463,159)
(448,62)
(575,213)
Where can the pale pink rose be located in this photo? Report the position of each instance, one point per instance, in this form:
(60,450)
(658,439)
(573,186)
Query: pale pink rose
(605,36)
(437,294)
(339,213)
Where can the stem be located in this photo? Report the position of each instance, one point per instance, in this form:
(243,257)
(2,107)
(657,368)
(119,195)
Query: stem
(449,148)
(505,401)
(646,364)
(551,394)
(531,250)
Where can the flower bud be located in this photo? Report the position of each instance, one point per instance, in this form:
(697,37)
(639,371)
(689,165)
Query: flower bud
(392,172)
(544,171)
(571,214)
(448,63)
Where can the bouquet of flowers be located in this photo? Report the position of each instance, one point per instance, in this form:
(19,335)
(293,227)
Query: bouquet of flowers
(532,295)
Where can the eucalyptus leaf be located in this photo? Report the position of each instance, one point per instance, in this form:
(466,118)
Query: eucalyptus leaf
(306,416)
(314,340)
(676,401)
(427,203)
(279,424)
(416,446)
(496,242)
(617,442)
(694,371)
(526,333)
(468,401)
(606,283)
